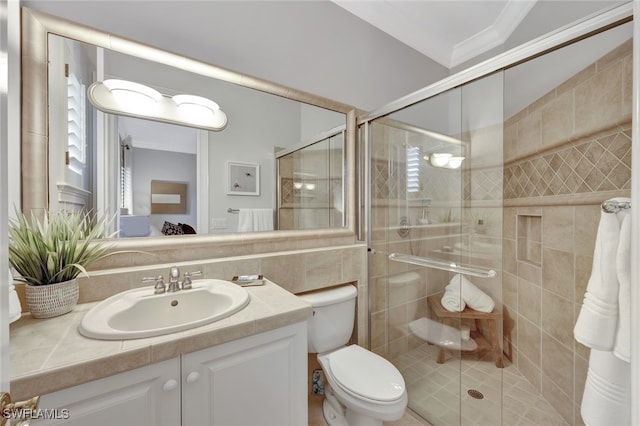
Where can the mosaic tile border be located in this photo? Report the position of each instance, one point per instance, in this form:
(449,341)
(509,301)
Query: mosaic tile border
(596,165)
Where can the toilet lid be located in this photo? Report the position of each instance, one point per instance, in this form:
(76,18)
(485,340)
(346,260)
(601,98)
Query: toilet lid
(366,374)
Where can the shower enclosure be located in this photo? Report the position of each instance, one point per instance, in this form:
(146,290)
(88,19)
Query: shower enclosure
(436,198)
(496,175)
(310,185)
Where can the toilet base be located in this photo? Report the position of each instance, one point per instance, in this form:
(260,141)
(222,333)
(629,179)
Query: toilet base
(332,410)
(356,419)
(335,414)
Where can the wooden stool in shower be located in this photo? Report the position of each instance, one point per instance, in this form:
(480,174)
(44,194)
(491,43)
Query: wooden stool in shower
(492,319)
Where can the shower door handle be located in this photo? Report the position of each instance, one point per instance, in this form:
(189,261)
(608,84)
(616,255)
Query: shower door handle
(444,265)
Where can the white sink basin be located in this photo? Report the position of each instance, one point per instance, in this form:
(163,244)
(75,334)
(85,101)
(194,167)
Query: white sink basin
(139,313)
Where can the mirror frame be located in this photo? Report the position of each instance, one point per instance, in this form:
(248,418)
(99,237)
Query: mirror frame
(36,26)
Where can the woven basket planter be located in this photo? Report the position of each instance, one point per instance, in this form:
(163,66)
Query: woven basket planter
(46,301)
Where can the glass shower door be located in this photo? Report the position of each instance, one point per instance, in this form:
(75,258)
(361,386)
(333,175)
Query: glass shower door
(435,195)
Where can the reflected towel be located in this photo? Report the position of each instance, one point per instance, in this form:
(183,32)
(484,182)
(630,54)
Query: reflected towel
(606,400)
(452,301)
(245,220)
(262,220)
(472,295)
(250,220)
(598,319)
(623,266)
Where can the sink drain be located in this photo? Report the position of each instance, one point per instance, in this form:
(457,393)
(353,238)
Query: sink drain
(475,394)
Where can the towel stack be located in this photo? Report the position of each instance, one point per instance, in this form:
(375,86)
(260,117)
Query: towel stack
(461,292)
(604,323)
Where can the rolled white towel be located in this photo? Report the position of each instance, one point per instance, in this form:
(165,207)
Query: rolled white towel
(474,297)
(452,301)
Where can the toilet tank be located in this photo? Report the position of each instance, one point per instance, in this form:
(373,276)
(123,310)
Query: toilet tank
(331,325)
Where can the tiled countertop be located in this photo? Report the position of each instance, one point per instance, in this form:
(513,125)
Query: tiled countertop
(50,354)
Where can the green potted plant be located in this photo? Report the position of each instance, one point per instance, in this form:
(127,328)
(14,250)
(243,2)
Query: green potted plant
(50,253)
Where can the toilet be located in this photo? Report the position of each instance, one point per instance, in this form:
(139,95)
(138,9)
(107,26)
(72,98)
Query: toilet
(363,389)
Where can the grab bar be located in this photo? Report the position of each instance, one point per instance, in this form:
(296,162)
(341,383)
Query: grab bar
(444,265)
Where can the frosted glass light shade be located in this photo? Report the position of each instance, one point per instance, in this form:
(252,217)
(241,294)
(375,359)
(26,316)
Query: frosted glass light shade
(455,162)
(185,100)
(133,96)
(440,159)
(199,110)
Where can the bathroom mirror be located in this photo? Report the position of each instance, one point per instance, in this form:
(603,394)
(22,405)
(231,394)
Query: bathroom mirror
(145,151)
(252,106)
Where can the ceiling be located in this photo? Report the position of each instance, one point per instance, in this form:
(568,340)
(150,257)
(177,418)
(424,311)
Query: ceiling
(452,32)
(449,32)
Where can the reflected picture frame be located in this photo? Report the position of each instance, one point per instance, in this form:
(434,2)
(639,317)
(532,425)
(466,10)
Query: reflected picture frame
(243,178)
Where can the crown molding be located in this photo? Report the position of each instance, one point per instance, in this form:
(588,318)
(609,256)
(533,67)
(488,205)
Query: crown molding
(493,36)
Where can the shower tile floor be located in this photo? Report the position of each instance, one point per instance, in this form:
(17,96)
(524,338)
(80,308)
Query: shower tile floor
(434,391)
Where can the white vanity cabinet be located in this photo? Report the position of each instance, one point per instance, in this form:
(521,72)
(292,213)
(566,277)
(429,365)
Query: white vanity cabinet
(259,380)
(255,380)
(145,396)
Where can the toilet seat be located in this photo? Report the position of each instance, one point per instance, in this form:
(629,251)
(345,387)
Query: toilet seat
(365,375)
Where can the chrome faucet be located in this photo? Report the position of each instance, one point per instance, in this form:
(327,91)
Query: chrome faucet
(174,274)
(174,284)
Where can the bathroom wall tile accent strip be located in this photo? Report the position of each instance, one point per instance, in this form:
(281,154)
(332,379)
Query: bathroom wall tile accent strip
(602,164)
(483,184)
(389,182)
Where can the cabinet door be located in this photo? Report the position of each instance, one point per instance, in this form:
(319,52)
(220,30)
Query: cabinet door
(147,396)
(257,380)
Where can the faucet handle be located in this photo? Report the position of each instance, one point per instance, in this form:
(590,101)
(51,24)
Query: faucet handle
(159,287)
(186,282)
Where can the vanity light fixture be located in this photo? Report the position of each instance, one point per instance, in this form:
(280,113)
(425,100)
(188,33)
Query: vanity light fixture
(307,186)
(122,97)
